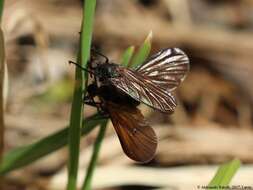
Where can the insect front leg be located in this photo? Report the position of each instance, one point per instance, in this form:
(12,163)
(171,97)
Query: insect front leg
(90,101)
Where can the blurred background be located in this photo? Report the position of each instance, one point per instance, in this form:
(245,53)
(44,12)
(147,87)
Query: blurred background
(211,125)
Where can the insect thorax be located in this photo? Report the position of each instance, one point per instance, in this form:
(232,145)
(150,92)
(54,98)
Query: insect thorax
(105,71)
(112,94)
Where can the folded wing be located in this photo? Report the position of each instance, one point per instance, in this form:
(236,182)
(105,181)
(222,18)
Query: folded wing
(137,139)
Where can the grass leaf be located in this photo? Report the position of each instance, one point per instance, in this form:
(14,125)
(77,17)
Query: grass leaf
(77,108)
(74,129)
(127,55)
(25,155)
(224,174)
(143,52)
(1,9)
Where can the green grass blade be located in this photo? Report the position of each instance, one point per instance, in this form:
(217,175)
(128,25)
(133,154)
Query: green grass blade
(1,9)
(143,52)
(224,174)
(127,55)
(76,111)
(74,130)
(87,28)
(94,157)
(26,155)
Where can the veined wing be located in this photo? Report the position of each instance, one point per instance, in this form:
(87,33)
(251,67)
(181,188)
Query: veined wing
(137,139)
(167,68)
(142,89)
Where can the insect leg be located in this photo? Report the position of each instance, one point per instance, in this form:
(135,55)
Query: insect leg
(91,102)
(98,105)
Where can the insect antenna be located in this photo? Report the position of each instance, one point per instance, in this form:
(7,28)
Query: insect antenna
(84,69)
(100,54)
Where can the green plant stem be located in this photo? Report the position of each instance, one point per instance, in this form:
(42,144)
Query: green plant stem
(77,106)
(94,157)
(1,9)
(74,131)
(87,27)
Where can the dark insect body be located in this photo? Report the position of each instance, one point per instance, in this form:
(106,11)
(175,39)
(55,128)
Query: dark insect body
(120,90)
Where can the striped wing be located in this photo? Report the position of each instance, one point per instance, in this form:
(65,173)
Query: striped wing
(142,89)
(137,139)
(167,68)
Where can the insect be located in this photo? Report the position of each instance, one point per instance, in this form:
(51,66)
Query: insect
(121,89)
